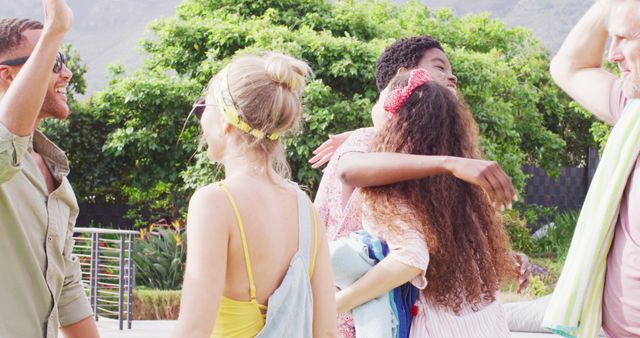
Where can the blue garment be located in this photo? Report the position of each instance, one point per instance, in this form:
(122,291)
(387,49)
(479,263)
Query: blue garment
(386,316)
(403,297)
(350,261)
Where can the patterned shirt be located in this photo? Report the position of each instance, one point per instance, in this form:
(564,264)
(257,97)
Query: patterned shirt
(339,206)
(40,283)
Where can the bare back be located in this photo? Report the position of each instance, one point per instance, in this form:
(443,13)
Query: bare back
(215,257)
(269,212)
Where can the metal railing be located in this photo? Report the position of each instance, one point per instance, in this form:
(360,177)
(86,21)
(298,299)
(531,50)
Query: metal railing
(108,271)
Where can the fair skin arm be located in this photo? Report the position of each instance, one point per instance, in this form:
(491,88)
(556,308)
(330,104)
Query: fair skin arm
(208,234)
(21,103)
(577,67)
(325,151)
(383,277)
(324,302)
(375,169)
(85,328)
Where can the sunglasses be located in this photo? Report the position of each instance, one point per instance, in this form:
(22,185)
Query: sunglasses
(61,60)
(198,107)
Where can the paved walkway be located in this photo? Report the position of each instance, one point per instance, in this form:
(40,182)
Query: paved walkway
(162,328)
(139,329)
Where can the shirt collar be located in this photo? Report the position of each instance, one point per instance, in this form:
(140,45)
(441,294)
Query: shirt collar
(54,157)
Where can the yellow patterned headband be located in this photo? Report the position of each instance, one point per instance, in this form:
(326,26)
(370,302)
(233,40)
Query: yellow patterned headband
(228,106)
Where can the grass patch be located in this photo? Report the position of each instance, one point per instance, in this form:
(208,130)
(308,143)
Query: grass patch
(546,254)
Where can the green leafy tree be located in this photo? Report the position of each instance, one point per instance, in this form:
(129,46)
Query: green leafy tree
(503,75)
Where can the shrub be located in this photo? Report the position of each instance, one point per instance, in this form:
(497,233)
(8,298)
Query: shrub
(559,235)
(160,255)
(518,231)
(537,287)
(150,304)
(536,215)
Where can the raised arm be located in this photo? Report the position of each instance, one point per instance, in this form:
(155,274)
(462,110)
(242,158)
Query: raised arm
(577,67)
(374,169)
(22,102)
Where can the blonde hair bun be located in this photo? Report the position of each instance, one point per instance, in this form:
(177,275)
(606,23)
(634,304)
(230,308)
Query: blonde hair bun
(287,71)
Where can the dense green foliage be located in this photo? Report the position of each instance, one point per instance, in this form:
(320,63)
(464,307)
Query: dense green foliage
(159,256)
(547,253)
(127,142)
(558,231)
(558,239)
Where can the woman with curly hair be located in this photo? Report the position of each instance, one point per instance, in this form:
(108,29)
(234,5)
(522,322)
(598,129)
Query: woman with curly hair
(440,228)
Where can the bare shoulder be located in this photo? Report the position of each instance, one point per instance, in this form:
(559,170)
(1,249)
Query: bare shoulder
(209,211)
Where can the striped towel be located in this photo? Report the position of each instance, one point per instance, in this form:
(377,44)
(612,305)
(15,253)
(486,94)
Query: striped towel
(575,309)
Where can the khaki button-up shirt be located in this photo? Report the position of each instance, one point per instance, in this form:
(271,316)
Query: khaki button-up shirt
(40,282)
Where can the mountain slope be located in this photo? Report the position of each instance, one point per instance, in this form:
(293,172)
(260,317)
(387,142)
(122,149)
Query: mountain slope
(107,31)
(104,31)
(550,20)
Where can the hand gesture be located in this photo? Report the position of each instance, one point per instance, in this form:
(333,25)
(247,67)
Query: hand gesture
(489,176)
(523,270)
(58,16)
(326,150)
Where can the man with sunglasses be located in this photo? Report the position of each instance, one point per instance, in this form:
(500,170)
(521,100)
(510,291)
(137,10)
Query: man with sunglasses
(41,281)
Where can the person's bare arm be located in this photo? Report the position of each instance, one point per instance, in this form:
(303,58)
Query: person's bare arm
(375,169)
(324,302)
(325,151)
(382,278)
(23,100)
(204,277)
(577,67)
(85,328)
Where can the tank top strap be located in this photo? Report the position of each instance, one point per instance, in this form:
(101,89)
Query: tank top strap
(308,223)
(243,236)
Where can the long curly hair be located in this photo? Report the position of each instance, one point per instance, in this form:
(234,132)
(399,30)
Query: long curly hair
(468,247)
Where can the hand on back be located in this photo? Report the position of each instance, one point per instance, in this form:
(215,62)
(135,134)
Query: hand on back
(326,150)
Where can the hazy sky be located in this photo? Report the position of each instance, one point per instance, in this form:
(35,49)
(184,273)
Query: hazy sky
(96,20)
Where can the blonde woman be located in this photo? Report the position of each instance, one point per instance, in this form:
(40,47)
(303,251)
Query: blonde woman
(257,263)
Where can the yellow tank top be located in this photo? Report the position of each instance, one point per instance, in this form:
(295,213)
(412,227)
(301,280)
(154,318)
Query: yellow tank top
(242,319)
